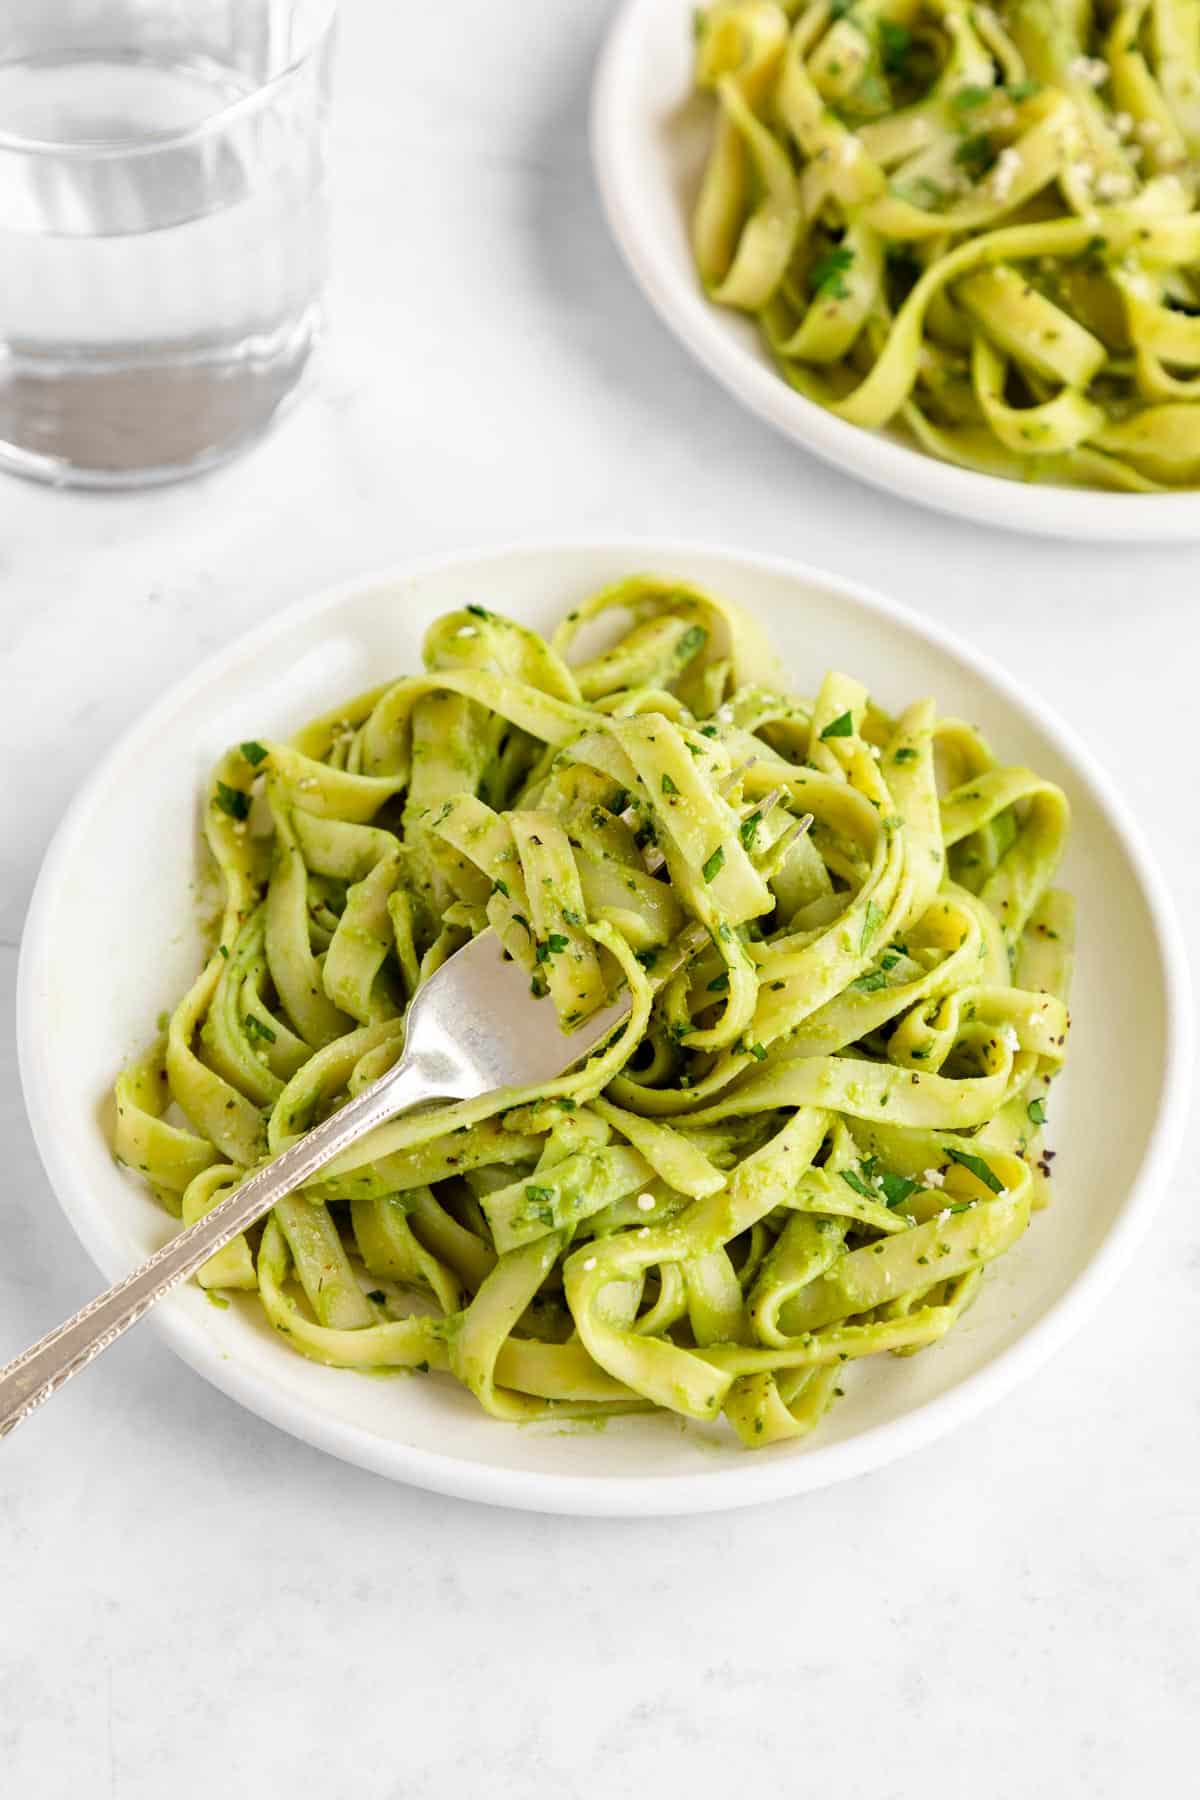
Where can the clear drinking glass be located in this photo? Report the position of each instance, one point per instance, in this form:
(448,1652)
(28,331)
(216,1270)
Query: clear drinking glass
(163,227)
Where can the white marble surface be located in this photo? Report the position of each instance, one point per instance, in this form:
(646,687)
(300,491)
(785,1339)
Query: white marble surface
(191,1603)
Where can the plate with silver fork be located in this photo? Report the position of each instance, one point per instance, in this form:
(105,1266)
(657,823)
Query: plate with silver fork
(86,991)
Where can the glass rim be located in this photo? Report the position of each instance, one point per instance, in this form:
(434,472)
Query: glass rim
(153,143)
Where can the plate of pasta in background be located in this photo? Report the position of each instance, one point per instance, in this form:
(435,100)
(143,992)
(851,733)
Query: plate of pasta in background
(869,1144)
(952,249)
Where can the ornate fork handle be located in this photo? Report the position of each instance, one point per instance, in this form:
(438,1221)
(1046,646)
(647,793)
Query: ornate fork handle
(41,1370)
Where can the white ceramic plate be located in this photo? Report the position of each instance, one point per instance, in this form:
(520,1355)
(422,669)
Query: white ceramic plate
(650,138)
(111,940)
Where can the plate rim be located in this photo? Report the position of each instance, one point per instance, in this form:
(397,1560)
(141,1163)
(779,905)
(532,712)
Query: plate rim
(905,471)
(618,1495)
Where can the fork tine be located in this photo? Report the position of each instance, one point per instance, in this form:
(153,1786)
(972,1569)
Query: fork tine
(775,856)
(735,775)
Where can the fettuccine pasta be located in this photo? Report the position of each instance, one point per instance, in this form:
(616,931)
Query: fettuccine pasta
(810,1138)
(976,224)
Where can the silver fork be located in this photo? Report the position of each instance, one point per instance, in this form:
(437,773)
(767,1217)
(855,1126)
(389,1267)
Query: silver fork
(473,1027)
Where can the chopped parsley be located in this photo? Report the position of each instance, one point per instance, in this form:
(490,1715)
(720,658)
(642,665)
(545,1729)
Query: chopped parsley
(714,865)
(971,96)
(1037,1111)
(748,829)
(232,801)
(480,612)
(871,923)
(647,958)
(254,753)
(256,1029)
(719,984)
(691,643)
(896,1188)
(853,1180)
(870,983)
(541,1204)
(501,887)
(758,1052)
(981,1170)
(905,755)
(842,726)
(668,786)
(709,731)
(825,277)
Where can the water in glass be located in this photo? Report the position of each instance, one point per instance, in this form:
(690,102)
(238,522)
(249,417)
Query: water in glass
(162,237)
